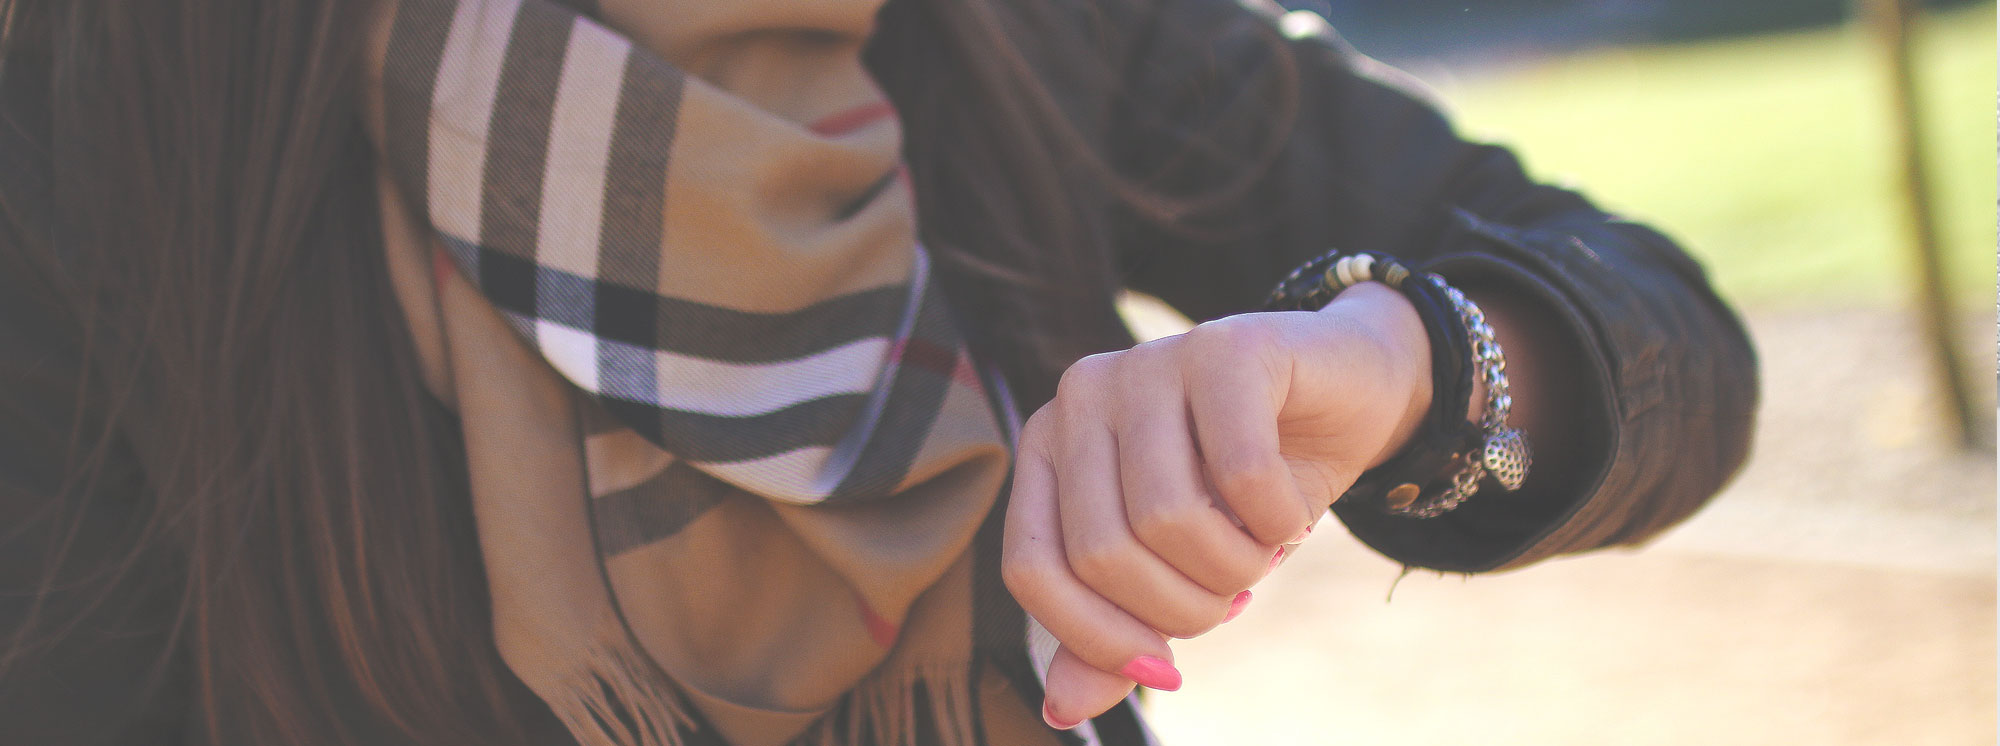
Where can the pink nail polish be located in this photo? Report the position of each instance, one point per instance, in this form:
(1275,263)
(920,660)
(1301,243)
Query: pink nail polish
(1275,560)
(1302,535)
(1049,716)
(1153,673)
(1236,605)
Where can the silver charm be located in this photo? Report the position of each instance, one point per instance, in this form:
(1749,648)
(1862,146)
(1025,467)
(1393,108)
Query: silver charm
(1506,457)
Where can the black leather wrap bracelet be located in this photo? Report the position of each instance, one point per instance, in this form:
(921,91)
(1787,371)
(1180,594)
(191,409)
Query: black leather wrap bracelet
(1419,481)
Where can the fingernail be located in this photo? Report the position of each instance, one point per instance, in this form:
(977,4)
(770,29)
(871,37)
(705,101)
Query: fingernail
(1236,605)
(1153,673)
(1275,559)
(1049,716)
(1302,534)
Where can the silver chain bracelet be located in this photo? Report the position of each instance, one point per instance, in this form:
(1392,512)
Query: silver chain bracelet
(1505,454)
(1458,455)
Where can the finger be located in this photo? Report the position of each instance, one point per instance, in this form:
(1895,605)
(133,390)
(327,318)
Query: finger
(1233,399)
(1038,574)
(1077,691)
(1104,553)
(1170,509)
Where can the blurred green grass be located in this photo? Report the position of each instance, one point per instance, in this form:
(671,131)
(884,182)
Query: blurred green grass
(1772,158)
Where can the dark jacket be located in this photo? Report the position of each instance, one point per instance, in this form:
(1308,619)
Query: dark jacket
(1367,165)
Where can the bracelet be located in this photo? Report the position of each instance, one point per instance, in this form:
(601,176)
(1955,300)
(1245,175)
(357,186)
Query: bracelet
(1504,454)
(1446,459)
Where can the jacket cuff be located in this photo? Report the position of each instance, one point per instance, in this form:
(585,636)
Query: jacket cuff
(1496,529)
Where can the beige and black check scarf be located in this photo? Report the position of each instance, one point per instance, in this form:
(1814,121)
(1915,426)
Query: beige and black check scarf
(734,471)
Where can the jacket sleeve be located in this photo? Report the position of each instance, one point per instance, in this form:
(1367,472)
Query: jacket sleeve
(1342,152)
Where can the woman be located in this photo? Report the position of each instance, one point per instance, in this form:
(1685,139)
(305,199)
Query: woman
(522,371)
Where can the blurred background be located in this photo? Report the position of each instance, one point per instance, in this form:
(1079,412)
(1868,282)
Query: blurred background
(1841,591)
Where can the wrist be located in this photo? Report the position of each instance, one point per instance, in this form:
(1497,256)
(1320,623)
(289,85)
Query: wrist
(1392,324)
(1428,469)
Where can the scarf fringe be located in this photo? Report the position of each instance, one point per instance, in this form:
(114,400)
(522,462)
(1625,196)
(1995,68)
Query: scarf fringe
(884,710)
(618,698)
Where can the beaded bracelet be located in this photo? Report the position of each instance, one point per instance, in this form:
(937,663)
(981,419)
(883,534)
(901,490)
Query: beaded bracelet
(1446,459)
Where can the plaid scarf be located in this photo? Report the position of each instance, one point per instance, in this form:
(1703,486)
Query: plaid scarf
(736,477)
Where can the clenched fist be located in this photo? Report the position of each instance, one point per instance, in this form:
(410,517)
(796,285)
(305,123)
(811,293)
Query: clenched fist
(1163,481)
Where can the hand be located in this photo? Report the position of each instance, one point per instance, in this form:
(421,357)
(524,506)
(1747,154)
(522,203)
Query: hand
(1162,481)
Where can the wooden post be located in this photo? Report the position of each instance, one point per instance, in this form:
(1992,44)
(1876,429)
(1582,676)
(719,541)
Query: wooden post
(1890,20)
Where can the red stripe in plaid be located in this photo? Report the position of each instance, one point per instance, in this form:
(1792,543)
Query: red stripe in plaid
(937,359)
(966,375)
(441,268)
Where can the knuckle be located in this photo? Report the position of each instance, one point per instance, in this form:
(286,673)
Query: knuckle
(1145,362)
(1084,377)
(1163,346)
(1275,531)
(1037,427)
(1166,525)
(1101,563)
(1024,577)
(1232,338)
(1247,478)
(1176,534)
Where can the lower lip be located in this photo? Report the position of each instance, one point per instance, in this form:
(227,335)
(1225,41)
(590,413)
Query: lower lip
(853,119)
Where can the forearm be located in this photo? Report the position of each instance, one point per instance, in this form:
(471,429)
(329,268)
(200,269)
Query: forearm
(1634,383)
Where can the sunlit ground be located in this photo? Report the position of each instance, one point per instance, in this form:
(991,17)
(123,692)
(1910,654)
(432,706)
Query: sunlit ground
(1841,592)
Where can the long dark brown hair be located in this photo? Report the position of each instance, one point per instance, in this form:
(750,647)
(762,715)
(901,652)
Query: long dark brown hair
(201,225)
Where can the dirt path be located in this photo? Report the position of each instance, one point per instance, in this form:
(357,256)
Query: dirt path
(1840,593)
